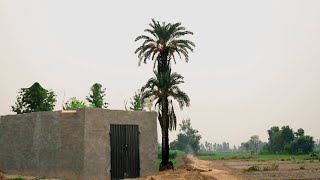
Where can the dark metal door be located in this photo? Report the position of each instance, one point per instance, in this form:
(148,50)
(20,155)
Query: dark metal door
(125,161)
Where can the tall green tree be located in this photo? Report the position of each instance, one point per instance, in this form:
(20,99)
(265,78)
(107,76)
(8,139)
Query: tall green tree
(162,45)
(188,140)
(284,140)
(301,145)
(254,140)
(164,87)
(34,99)
(96,96)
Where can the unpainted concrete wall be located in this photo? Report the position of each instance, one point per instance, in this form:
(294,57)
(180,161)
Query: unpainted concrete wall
(42,144)
(73,145)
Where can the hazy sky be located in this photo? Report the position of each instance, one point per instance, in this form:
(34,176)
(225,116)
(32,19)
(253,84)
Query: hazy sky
(256,64)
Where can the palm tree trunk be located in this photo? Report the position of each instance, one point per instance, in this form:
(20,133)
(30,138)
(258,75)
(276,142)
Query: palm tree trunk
(165,132)
(163,67)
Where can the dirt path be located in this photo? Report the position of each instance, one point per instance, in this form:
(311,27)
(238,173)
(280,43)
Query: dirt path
(210,169)
(196,169)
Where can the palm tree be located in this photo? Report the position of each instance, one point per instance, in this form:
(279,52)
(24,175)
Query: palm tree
(164,87)
(164,44)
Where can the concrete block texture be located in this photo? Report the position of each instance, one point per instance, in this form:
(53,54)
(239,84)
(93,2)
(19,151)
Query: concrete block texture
(72,145)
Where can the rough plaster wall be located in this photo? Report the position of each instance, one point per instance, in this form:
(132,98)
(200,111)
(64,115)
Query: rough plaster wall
(46,143)
(97,140)
(73,146)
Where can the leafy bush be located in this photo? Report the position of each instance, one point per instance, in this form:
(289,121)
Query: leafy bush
(172,155)
(273,167)
(96,96)
(179,153)
(253,168)
(34,99)
(74,103)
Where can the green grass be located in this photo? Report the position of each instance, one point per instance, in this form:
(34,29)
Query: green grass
(174,161)
(179,153)
(239,155)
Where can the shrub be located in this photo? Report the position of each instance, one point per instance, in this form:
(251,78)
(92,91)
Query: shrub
(172,155)
(74,103)
(254,168)
(273,167)
(302,167)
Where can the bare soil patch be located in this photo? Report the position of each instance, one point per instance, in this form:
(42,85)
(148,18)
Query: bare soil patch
(193,168)
(290,169)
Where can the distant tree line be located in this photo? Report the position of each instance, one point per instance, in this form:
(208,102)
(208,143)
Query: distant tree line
(210,147)
(285,140)
(36,98)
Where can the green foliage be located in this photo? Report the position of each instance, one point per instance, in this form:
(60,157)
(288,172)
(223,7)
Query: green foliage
(74,103)
(165,89)
(162,47)
(164,44)
(208,147)
(172,155)
(301,145)
(260,157)
(253,168)
(273,167)
(178,152)
(284,140)
(34,99)
(137,102)
(96,96)
(188,140)
(253,144)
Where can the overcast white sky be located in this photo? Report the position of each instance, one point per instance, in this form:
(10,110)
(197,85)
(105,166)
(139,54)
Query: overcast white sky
(256,63)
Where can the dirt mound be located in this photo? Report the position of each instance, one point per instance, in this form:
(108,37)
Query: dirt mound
(192,168)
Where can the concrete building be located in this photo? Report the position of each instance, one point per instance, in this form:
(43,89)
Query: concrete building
(84,144)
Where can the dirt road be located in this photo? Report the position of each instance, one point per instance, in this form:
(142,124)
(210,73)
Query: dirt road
(196,169)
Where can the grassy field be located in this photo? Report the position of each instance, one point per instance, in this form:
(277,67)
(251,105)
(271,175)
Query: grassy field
(174,153)
(243,155)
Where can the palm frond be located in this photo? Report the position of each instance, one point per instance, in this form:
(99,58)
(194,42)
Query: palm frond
(172,118)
